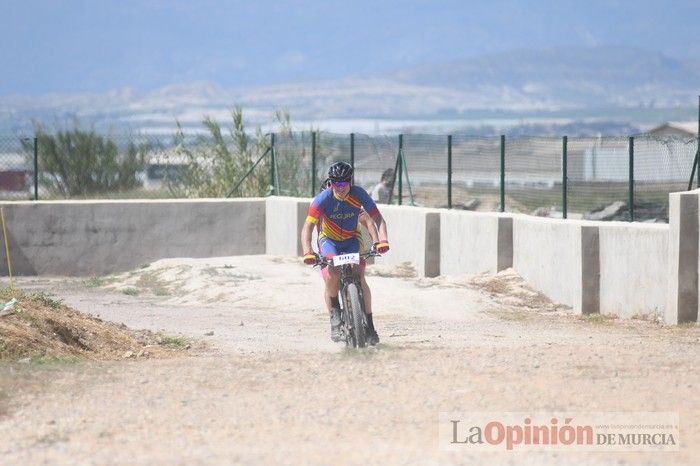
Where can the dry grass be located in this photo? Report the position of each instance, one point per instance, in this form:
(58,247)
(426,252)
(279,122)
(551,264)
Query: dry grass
(596,318)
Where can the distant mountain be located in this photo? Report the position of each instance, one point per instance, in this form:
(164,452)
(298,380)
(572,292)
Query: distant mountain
(576,82)
(570,77)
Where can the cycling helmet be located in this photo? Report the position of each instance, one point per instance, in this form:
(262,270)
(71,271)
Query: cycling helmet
(340,171)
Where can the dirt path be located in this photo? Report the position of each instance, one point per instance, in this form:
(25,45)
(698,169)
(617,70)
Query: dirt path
(271,387)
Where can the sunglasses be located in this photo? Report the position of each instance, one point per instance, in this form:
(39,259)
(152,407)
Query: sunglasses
(340,184)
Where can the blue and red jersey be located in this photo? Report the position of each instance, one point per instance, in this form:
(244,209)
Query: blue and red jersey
(339,217)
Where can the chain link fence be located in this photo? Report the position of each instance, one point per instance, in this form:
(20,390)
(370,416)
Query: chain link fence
(577,177)
(17,168)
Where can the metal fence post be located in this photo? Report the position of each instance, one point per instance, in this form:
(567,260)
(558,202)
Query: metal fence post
(503,173)
(400,156)
(36,169)
(313,163)
(564,189)
(352,155)
(449,171)
(272,164)
(631,178)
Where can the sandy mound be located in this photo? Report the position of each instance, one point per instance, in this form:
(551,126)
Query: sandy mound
(509,288)
(403,270)
(187,281)
(41,328)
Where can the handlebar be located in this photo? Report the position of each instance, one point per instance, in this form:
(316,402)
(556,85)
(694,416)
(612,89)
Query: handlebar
(325,261)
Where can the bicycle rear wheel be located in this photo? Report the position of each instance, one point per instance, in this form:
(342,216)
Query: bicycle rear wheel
(357,313)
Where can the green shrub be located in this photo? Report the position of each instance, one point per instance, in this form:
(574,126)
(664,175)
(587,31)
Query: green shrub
(78,162)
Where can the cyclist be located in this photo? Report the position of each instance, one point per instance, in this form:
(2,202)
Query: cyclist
(338,209)
(366,221)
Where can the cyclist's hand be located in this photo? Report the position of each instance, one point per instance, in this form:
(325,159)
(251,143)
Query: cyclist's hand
(382,247)
(310,258)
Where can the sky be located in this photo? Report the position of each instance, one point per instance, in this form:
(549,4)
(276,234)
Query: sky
(76,46)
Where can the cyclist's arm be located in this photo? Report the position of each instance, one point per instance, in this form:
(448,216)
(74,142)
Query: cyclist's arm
(306,233)
(312,218)
(371,227)
(381,226)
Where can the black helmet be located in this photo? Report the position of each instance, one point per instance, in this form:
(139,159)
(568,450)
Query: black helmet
(340,171)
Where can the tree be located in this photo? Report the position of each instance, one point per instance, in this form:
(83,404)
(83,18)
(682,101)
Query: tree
(79,162)
(209,167)
(215,165)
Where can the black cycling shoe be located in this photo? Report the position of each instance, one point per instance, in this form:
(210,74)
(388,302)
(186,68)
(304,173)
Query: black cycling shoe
(372,337)
(336,334)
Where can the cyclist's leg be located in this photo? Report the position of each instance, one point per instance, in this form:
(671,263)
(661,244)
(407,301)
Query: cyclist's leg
(328,248)
(324,270)
(366,293)
(373,337)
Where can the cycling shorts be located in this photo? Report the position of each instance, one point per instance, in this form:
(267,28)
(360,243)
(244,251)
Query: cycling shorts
(329,248)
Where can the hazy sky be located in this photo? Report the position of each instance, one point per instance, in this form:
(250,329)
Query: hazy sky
(97,45)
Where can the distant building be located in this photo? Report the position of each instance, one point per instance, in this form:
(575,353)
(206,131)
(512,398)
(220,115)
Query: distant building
(688,129)
(14,174)
(164,163)
(658,158)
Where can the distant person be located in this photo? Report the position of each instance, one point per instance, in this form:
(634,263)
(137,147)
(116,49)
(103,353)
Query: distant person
(382,191)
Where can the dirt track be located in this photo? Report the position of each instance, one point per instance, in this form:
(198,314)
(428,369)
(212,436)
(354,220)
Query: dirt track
(271,387)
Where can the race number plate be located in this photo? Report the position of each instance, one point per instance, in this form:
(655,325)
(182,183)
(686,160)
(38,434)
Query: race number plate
(343,259)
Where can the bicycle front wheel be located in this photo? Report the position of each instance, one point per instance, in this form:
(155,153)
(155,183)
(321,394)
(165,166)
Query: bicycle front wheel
(356,310)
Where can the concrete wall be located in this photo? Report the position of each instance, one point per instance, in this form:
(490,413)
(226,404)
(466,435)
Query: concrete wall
(284,219)
(625,269)
(83,238)
(475,242)
(549,255)
(683,257)
(414,236)
(633,268)
(612,268)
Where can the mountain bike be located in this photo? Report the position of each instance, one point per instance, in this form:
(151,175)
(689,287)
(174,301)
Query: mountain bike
(352,304)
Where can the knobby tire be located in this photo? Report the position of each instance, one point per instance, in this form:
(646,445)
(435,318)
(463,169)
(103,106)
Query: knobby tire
(357,312)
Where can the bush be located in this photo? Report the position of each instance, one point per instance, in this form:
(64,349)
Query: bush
(212,165)
(208,167)
(79,162)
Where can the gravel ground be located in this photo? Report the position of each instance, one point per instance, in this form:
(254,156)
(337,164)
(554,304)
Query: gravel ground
(270,387)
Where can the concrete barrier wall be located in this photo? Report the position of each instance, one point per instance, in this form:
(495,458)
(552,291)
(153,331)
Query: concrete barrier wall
(414,236)
(613,268)
(683,258)
(633,268)
(547,253)
(624,269)
(82,238)
(475,242)
(284,219)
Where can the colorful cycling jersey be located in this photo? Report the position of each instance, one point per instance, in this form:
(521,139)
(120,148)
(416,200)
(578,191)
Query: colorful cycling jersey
(339,217)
